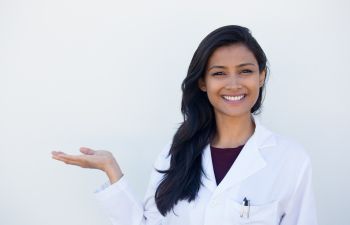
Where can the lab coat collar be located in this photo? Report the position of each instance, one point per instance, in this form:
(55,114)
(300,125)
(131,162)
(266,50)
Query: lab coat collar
(248,162)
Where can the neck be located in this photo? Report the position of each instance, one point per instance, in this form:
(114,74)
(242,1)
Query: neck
(233,131)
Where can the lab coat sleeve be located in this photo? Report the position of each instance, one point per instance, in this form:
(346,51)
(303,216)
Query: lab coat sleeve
(301,209)
(121,206)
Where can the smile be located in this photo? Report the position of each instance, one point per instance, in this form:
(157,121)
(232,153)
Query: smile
(234,98)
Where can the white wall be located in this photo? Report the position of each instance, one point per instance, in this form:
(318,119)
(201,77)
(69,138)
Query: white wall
(107,74)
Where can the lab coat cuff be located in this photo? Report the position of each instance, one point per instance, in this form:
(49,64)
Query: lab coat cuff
(118,202)
(107,189)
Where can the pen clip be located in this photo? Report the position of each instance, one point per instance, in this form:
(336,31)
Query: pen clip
(245,208)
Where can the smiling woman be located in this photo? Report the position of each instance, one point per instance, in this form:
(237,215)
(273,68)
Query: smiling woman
(222,165)
(232,83)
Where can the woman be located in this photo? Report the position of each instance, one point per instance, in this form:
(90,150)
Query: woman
(222,165)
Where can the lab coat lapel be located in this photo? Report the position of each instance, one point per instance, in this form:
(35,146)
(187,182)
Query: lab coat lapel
(208,179)
(248,162)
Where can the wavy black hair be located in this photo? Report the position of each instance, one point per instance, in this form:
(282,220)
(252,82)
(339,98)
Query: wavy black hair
(182,180)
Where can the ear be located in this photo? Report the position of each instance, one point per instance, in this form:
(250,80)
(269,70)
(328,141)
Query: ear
(201,84)
(262,77)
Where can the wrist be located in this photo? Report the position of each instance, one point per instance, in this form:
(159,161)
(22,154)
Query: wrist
(113,172)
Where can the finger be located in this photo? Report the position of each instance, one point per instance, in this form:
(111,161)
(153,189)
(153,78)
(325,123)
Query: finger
(87,151)
(71,157)
(57,152)
(72,162)
(67,160)
(65,157)
(58,158)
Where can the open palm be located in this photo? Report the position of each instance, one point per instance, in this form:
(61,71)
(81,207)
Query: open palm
(94,159)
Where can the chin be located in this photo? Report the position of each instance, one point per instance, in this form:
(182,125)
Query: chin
(236,114)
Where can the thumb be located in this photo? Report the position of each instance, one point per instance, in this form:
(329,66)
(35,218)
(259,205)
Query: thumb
(87,151)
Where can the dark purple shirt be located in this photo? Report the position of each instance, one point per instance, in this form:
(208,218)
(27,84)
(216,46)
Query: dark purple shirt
(222,159)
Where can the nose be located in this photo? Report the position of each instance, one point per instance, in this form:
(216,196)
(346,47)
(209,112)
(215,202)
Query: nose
(233,82)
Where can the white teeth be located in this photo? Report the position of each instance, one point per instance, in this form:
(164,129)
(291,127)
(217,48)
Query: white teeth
(233,98)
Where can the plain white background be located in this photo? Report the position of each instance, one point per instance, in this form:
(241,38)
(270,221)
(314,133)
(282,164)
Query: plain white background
(107,75)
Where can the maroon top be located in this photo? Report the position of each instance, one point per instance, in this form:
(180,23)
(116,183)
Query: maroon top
(222,159)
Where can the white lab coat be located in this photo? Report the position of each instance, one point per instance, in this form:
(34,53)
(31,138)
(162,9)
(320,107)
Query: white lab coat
(272,171)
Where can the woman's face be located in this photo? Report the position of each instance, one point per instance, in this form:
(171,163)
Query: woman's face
(232,80)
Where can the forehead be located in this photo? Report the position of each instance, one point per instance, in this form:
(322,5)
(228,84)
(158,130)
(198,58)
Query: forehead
(234,54)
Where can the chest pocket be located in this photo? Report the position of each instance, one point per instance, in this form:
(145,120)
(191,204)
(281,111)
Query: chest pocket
(265,214)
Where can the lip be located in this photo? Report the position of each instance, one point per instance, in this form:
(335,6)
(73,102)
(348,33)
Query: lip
(234,102)
(239,94)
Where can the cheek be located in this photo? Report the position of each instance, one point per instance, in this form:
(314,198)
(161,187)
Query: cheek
(214,87)
(213,92)
(253,85)
(254,92)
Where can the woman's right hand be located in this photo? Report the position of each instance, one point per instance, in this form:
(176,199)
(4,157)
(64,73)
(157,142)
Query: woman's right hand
(93,159)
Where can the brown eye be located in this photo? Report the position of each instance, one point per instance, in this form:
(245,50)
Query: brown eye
(218,73)
(247,71)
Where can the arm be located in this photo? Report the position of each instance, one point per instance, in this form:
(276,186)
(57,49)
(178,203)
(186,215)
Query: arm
(301,209)
(118,201)
(115,197)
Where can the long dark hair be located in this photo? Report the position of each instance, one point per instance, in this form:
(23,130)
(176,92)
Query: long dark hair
(183,178)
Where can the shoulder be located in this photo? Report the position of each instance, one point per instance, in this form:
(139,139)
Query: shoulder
(282,149)
(163,159)
(287,158)
(291,147)
(275,143)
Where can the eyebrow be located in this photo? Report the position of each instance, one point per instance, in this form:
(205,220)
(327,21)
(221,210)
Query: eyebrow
(240,65)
